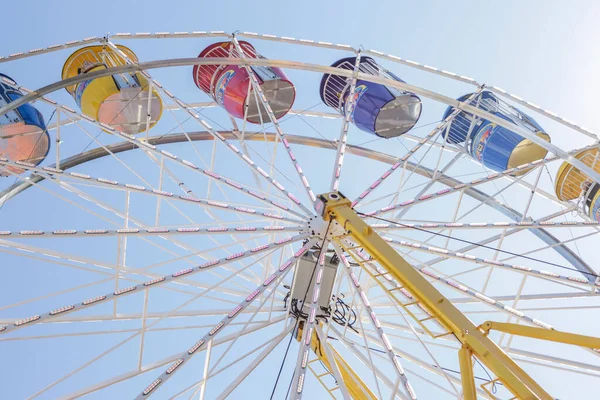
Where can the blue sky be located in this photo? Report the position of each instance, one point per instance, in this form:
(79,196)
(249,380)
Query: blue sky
(515,41)
(543,51)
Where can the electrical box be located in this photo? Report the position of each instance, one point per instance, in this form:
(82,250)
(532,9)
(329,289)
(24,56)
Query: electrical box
(304,280)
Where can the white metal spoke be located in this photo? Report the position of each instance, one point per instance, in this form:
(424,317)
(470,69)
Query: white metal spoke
(206,289)
(539,224)
(494,238)
(258,91)
(205,373)
(166,232)
(492,263)
(458,286)
(162,168)
(272,343)
(92,265)
(283,269)
(429,184)
(152,315)
(377,325)
(50,173)
(46,296)
(335,371)
(251,164)
(557,362)
(574,239)
(143,335)
(109,208)
(120,317)
(350,345)
(429,137)
(164,361)
(154,282)
(342,141)
(418,338)
(118,345)
(309,325)
(244,228)
(145,146)
(450,190)
(483,298)
(476,182)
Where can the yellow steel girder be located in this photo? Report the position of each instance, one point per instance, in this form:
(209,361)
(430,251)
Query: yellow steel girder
(543,334)
(357,388)
(335,206)
(465,358)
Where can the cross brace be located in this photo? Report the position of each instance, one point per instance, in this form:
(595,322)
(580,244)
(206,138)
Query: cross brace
(334,206)
(357,388)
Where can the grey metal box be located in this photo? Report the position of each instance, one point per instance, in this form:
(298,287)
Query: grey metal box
(303,274)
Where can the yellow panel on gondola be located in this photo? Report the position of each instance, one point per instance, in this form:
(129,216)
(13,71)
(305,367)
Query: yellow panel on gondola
(570,182)
(527,151)
(121,100)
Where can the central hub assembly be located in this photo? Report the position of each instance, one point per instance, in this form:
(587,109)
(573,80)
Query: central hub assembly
(301,293)
(321,225)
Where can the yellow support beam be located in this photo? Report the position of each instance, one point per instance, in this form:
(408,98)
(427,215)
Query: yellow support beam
(357,388)
(465,358)
(336,207)
(543,334)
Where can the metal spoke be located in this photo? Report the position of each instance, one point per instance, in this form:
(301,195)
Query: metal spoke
(309,325)
(166,232)
(474,183)
(527,271)
(109,208)
(377,325)
(539,224)
(402,160)
(283,269)
(154,282)
(348,112)
(251,164)
(259,93)
(272,343)
(164,361)
(51,173)
(247,245)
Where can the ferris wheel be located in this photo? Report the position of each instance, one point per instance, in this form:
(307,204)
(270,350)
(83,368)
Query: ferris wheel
(308,224)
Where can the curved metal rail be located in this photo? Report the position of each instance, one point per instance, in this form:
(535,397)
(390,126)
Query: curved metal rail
(115,148)
(178,62)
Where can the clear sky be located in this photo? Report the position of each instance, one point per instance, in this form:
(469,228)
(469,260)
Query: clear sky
(542,50)
(545,51)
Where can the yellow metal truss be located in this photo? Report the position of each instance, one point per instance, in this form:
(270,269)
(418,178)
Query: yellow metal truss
(356,387)
(475,341)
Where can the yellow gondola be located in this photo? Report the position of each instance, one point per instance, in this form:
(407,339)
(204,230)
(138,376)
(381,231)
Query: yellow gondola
(572,184)
(122,101)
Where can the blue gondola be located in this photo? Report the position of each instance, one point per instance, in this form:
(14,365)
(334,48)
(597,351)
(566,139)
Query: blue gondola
(23,135)
(378,109)
(494,146)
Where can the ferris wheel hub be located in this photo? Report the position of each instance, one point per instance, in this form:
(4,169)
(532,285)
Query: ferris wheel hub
(322,229)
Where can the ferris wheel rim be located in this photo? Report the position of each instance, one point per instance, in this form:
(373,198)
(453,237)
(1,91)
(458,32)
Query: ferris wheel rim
(100,152)
(422,170)
(179,62)
(301,42)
